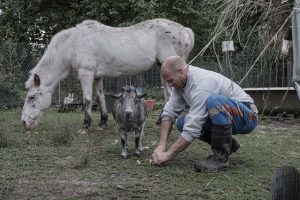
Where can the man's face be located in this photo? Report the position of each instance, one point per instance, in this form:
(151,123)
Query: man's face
(175,78)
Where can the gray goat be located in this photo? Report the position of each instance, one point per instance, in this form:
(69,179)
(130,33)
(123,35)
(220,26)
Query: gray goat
(130,112)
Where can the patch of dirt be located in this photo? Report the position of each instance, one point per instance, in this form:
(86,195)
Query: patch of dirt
(64,184)
(282,125)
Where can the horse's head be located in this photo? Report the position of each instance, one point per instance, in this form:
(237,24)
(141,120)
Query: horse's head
(37,100)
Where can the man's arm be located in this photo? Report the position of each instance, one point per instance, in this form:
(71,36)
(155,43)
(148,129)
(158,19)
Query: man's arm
(166,128)
(177,147)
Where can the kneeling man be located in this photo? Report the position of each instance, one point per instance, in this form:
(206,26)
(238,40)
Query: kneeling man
(218,109)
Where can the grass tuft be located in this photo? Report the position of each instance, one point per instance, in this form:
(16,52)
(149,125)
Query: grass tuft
(83,161)
(63,136)
(3,139)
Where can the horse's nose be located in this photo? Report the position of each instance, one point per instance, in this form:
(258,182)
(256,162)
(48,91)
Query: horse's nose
(24,124)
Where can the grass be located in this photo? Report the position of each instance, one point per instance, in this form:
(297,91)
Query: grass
(63,136)
(55,162)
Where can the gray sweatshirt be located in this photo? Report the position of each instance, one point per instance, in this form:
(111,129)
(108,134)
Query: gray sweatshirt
(200,84)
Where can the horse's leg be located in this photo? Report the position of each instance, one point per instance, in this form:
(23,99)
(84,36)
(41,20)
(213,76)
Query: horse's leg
(86,78)
(167,92)
(101,101)
(167,89)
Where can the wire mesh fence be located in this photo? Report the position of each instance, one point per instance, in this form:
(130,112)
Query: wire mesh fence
(16,60)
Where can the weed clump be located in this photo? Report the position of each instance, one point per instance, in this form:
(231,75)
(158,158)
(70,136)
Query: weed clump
(3,139)
(83,161)
(63,136)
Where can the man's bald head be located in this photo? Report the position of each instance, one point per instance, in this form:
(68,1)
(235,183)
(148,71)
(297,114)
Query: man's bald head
(172,64)
(174,72)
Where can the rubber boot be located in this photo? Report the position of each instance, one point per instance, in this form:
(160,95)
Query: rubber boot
(206,137)
(234,146)
(221,144)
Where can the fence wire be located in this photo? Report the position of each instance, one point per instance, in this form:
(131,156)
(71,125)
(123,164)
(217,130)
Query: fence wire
(16,60)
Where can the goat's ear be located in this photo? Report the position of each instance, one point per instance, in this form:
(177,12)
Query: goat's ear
(116,96)
(36,80)
(141,95)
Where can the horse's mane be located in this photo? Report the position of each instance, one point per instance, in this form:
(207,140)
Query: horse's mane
(88,22)
(51,56)
(47,59)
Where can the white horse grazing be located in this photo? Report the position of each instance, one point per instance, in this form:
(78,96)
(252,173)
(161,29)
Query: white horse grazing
(93,51)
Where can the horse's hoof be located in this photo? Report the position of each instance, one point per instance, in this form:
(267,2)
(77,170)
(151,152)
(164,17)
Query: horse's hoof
(82,131)
(157,126)
(101,127)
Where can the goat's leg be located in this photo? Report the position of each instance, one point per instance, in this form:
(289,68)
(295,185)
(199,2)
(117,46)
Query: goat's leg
(139,132)
(124,142)
(101,101)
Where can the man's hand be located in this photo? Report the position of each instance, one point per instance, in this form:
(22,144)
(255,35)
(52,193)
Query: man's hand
(159,158)
(160,149)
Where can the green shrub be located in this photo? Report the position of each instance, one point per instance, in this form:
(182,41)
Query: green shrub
(9,99)
(156,93)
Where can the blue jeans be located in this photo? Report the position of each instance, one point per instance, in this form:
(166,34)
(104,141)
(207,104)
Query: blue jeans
(226,111)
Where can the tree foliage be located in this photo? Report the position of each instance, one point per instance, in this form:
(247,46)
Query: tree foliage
(36,21)
(27,26)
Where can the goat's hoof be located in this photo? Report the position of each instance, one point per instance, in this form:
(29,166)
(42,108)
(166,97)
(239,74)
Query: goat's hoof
(82,131)
(101,127)
(124,156)
(137,153)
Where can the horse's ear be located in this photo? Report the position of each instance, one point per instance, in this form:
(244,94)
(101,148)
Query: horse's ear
(36,80)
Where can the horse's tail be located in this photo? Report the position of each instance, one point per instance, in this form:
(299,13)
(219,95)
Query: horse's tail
(190,41)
